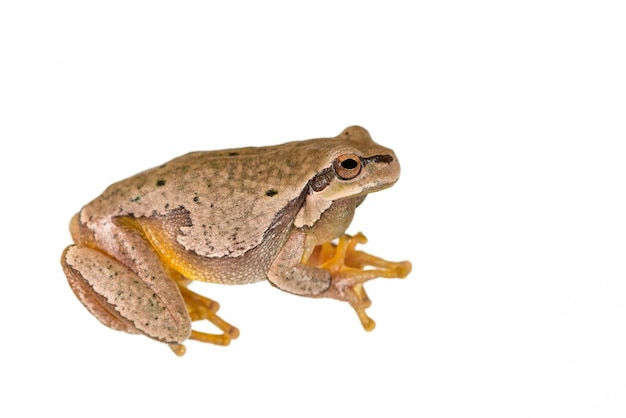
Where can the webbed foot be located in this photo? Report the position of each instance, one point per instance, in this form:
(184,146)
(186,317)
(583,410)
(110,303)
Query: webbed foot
(350,269)
(201,308)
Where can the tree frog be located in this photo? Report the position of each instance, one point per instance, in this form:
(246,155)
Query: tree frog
(276,213)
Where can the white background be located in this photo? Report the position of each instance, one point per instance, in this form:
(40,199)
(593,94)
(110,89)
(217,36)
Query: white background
(508,119)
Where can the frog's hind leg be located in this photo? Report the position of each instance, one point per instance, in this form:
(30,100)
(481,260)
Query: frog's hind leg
(121,300)
(159,233)
(202,308)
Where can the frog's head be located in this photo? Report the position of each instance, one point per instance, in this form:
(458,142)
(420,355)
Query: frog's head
(353,165)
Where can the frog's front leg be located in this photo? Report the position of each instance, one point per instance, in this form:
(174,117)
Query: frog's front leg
(351,268)
(288,273)
(335,271)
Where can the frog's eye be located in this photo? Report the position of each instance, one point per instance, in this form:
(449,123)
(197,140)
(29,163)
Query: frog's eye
(347,166)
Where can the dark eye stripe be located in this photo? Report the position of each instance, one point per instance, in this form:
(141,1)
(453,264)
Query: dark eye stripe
(383,158)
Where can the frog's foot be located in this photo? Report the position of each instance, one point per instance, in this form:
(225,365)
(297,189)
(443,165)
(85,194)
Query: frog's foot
(350,269)
(201,308)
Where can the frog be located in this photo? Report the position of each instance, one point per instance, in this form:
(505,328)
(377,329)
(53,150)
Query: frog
(276,213)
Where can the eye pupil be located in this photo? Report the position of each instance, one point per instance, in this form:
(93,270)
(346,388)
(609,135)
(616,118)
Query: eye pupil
(349,164)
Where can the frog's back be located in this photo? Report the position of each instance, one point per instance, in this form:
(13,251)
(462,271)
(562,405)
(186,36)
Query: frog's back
(230,196)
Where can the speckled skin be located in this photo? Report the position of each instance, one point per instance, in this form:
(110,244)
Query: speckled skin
(233,216)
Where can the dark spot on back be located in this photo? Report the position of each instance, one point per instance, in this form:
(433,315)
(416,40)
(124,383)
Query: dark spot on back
(271,192)
(160,183)
(233,154)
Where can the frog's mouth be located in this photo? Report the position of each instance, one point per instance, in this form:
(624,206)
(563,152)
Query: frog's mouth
(376,187)
(384,166)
